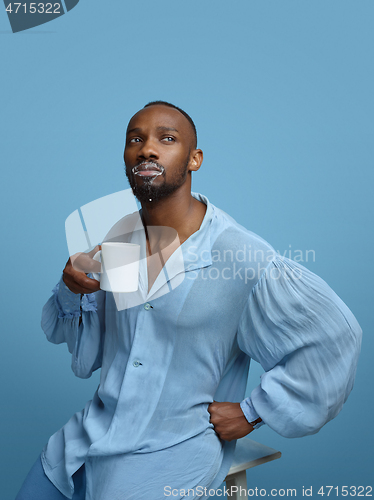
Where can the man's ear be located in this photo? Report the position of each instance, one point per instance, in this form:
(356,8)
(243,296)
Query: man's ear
(196,160)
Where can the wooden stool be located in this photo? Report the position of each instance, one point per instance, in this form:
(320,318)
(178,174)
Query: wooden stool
(248,454)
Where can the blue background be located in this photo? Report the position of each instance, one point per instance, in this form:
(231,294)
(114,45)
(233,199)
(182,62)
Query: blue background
(282,95)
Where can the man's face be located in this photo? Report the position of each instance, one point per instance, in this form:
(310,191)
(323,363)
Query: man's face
(159,141)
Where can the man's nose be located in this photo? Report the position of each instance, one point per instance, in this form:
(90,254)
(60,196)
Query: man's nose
(148,150)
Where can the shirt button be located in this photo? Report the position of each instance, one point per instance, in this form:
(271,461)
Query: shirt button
(147,306)
(136,363)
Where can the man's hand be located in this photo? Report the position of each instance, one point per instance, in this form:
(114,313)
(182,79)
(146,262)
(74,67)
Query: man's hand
(229,420)
(74,274)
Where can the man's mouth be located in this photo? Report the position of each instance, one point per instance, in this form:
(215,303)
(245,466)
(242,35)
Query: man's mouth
(148,169)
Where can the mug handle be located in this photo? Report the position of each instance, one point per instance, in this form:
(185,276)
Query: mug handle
(97,257)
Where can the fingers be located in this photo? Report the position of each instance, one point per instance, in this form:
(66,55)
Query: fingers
(76,279)
(228,420)
(232,429)
(80,282)
(85,263)
(225,409)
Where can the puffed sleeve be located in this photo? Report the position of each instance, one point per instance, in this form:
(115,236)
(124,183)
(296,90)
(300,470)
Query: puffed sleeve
(60,323)
(307,341)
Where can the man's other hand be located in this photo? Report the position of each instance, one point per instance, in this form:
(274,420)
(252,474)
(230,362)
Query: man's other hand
(74,275)
(229,420)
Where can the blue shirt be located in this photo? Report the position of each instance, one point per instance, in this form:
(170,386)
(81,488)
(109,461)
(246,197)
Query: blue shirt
(167,353)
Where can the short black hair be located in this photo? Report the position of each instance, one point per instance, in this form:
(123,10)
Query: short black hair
(164,103)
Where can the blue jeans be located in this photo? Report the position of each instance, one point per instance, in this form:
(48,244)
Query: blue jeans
(37,486)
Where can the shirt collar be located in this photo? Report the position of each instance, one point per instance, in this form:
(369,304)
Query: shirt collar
(197,248)
(194,253)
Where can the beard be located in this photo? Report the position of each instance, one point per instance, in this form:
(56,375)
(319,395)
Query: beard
(147,190)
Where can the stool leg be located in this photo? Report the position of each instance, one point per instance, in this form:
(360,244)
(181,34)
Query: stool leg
(237,483)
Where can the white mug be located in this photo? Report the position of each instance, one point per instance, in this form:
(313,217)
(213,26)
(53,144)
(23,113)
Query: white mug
(119,267)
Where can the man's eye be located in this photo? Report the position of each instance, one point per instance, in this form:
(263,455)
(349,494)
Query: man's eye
(134,139)
(168,139)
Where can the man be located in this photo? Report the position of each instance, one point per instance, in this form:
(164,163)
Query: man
(174,366)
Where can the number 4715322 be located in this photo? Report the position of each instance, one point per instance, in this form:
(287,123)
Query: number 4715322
(40,8)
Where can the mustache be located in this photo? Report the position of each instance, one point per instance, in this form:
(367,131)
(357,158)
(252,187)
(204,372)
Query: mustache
(148,165)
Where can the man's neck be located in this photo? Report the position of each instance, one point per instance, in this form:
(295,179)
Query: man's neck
(180,211)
